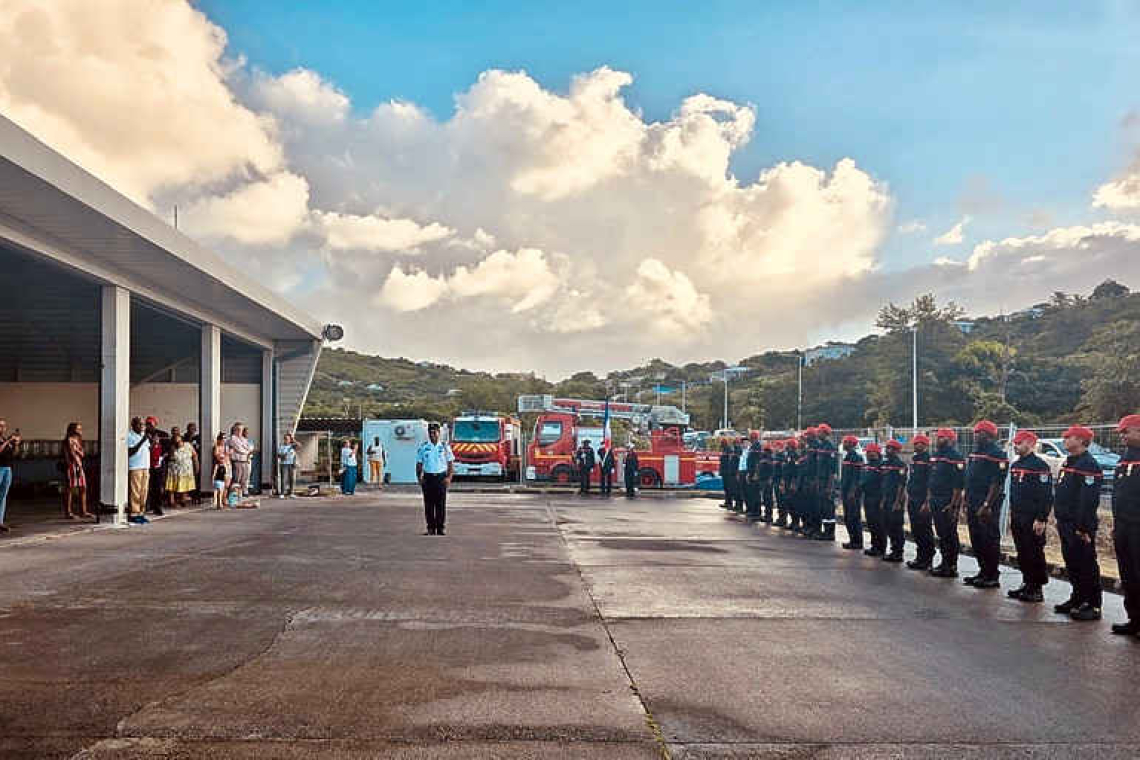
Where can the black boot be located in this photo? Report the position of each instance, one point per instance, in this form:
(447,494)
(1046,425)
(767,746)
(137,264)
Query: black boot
(918,564)
(1015,593)
(1064,608)
(826,533)
(1032,595)
(942,571)
(1126,629)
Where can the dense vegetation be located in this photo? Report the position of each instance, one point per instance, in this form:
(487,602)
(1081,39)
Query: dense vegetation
(1073,357)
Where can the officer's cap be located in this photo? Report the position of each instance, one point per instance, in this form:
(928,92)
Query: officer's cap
(985,426)
(1131,421)
(920,438)
(1025,436)
(1079,431)
(850,440)
(946,433)
(824,429)
(873,448)
(893,445)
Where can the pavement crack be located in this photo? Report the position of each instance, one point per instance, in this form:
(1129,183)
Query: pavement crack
(650,720)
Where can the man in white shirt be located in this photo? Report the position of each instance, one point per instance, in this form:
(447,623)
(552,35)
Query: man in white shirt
(287,467)
(138,471)
(434,466)
(376,457)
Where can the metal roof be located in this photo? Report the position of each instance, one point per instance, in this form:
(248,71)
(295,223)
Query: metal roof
(51,206)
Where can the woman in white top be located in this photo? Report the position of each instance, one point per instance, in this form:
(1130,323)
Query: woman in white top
(240,450)
(348,467)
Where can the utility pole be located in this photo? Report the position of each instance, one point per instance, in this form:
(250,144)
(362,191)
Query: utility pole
(914,378)
(800,391)
(682,397)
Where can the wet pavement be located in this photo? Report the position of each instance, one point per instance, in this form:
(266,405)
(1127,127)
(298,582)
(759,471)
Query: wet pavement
(542,626)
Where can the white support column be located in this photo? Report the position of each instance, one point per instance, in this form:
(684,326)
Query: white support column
(269,439)
(114,398)
(210,400)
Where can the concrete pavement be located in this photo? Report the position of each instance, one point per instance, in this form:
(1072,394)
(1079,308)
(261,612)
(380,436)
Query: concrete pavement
(541,626)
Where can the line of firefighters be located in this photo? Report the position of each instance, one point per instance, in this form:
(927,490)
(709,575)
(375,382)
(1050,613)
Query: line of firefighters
(793,484)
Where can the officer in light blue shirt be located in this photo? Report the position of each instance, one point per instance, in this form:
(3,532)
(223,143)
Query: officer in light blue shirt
(434,466)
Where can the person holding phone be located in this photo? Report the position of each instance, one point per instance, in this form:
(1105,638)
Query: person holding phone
(9,444)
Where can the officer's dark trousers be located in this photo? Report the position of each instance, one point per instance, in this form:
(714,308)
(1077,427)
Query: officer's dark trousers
(922,529)
(1030,550)
(751,497)
(729,480)
(873,514)
(584,481)
(630,484)
(1126,537)
(435,501)
(826,509)
(985,540)
(607,482)
(806,505)
(853,518)
(1080,561)
(893,524)
(767,497)
(946,526)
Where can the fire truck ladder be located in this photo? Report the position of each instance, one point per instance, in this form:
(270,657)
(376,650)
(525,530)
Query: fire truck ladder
(658,415)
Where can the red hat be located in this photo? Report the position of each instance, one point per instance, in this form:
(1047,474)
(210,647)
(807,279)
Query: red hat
(920,438)
(985,426)
(824,428)
(792,443)
(767,446)
(811,431)
(152,421)
(893,445)
(778,445)
(1079,431)
(1025,436)
(873,448)
(754,435)
(850,439)
(946,433)
(1131,421)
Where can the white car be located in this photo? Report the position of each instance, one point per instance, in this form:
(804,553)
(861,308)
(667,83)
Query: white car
(1052,450)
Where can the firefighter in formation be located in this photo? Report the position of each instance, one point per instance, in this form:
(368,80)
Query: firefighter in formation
(793,484)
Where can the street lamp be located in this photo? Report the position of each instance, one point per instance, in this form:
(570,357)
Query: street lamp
(724,376)
(914,378)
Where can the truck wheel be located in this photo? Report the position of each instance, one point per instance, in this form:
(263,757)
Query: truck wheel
(560,474)
(648,478)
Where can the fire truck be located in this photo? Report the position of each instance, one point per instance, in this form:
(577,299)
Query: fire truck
(486,444)
(560,429)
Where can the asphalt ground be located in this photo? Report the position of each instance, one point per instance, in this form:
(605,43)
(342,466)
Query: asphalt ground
(542,626)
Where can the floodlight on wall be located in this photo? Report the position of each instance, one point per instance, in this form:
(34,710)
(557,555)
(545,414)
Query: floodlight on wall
(332,333)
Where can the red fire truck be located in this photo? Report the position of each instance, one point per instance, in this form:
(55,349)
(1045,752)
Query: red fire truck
(560,428)
(486,444)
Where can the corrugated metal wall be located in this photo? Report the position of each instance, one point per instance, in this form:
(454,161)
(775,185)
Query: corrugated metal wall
(296,364)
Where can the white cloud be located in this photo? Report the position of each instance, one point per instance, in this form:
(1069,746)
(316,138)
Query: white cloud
(953,236)
(912,227)
(375,233)
(267,212)
(669,297)
(300,95)
(410,291)
(523,279)
(1122,194)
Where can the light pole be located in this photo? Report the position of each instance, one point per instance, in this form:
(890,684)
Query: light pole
(799,391)
(914,378)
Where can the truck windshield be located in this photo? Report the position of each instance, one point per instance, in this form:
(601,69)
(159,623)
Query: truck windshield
(549,433)
(471,431)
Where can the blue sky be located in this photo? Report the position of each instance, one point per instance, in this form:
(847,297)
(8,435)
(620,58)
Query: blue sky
(1007,110)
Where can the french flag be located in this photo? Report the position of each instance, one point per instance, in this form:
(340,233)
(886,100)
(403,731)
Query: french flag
(606,427)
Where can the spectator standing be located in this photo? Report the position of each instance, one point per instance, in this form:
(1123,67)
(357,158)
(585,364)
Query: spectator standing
(138,471)
(157,453)
(247,484)
(348,467)
(221,473)
(239,450)
(287,467)
(76,476)
(194,438)
(8,447)
(180,468)
(377,458)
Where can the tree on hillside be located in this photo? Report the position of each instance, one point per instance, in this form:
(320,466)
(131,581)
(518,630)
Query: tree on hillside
(923,310)
(1109,289)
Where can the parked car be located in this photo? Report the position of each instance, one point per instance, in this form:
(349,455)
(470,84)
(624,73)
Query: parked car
(1052,450)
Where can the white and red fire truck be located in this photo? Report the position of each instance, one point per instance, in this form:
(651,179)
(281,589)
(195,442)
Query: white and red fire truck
(486,445)
(561,427)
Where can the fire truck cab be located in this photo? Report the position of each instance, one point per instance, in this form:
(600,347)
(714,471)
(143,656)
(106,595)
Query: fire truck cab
(559,430)
(486,445)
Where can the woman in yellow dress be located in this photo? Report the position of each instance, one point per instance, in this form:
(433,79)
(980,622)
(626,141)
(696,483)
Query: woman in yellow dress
(180,470)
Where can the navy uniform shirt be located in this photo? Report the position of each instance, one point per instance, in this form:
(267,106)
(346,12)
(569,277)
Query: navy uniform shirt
(988,466)
(871,482)
(726,464)
(1031,487)
(752,463)
(766,468)
(918,484)
(434,457)
(805,468)
(893,471)
(777,466)
(791,468)
(851,470)
(1077,494)
(826,462)
(947,472)
(1126,488)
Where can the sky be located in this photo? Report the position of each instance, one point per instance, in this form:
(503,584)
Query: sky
(555,187)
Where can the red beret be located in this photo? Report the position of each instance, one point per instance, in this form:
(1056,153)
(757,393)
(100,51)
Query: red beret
(792,443)
(824,428)
(850,439)
(985,426)
(754,435)
(1079,431)
(152,421)
(811,431)
(873,448)
(946,433)
(779,445)
(1025,436)
(893,444)
(920,438)
(1131,421)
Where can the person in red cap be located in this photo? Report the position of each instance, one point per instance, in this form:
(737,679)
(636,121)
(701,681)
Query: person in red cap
(850,473)
(1126,523)
(727,472)
(893,470)
(871,489)
(750,476)
(947,483)
(985,491)
(1030,501)
(790,472)
(1076,499)
(826,467)
(778,460)
(767,471)
(918,506)
(805,487)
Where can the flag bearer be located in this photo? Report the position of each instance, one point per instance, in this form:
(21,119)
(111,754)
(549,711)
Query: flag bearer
(1076,499)
(1030,501)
